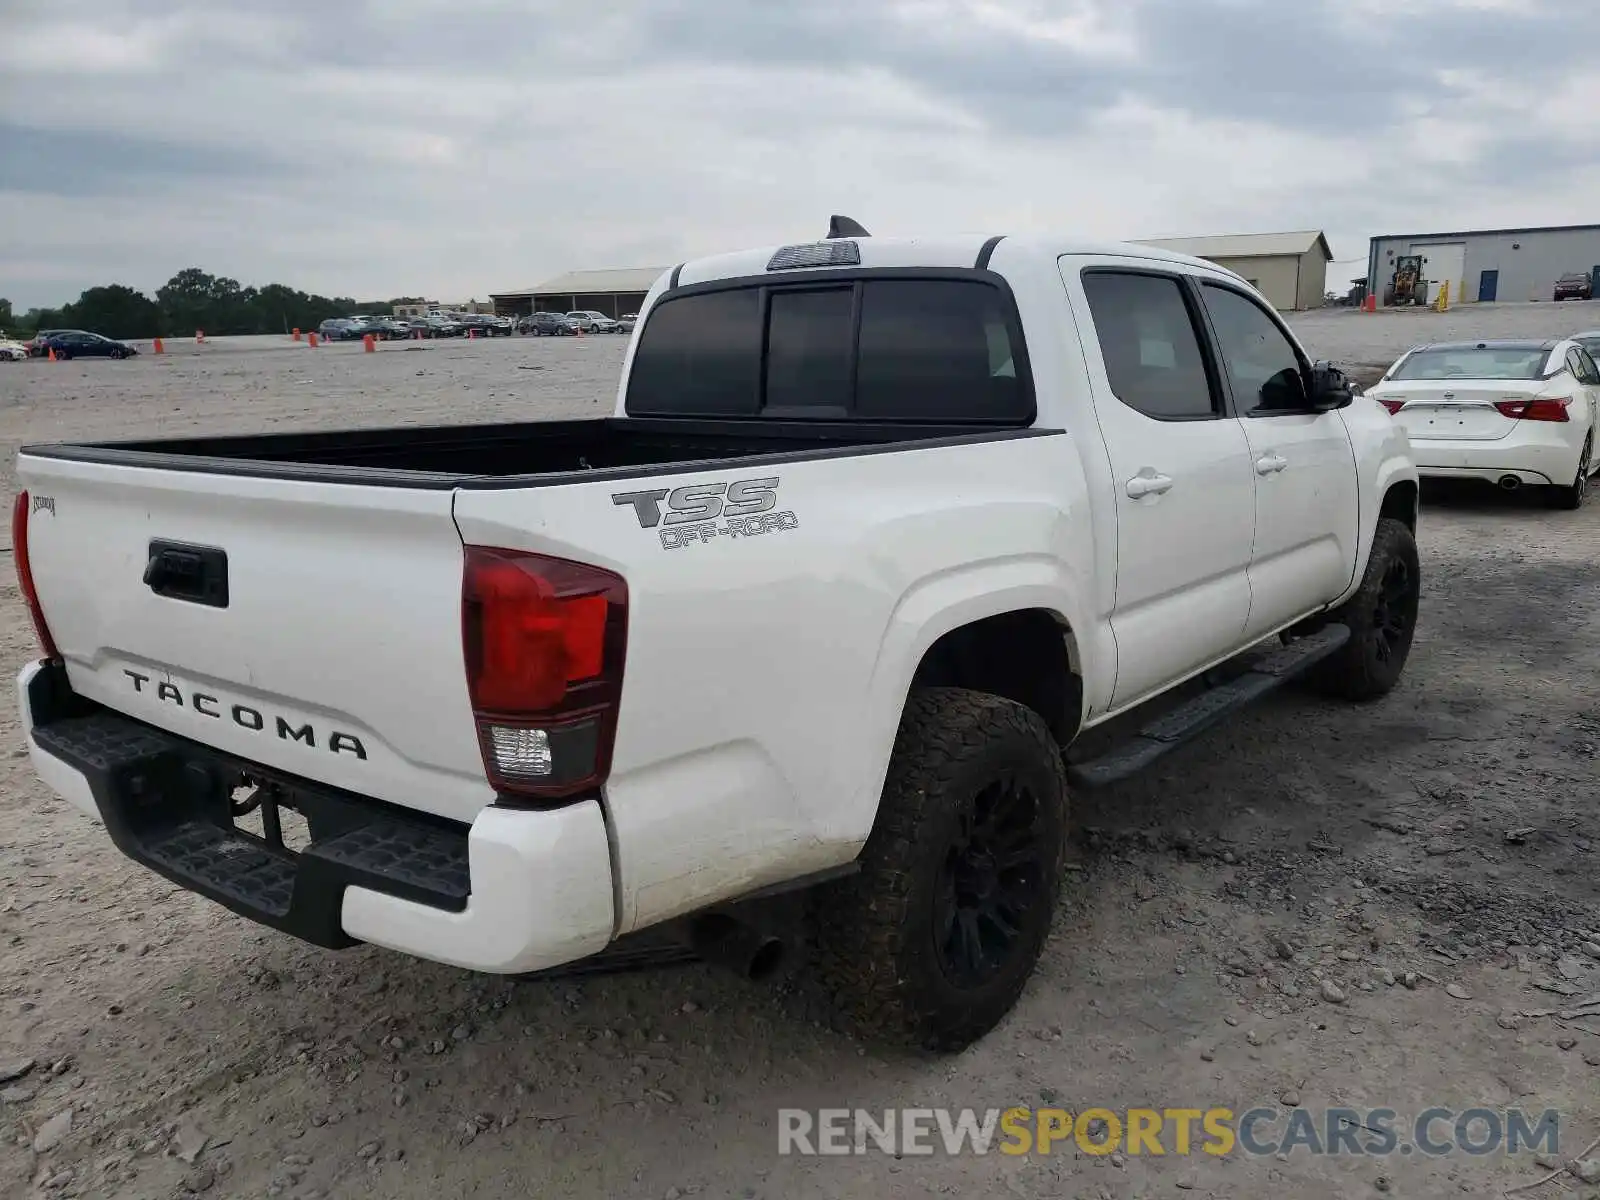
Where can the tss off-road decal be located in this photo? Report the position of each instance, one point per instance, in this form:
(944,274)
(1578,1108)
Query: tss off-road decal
(703,512)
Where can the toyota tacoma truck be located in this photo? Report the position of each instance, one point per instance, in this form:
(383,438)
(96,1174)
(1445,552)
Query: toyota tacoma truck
(804,647)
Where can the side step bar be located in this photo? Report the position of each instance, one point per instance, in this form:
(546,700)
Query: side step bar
(1171,730)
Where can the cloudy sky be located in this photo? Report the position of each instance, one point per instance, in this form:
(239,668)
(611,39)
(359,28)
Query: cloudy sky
(459,147)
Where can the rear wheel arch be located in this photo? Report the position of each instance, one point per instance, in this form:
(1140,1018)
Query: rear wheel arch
(1029,656)
(1400,503)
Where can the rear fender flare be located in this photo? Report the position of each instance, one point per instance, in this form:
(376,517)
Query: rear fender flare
(926,612)
(1392,469)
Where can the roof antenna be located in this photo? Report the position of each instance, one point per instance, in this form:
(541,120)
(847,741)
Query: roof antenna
(844,227)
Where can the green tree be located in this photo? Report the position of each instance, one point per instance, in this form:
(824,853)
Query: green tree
(187,299)
(195,299)
(36,319)
(115,311)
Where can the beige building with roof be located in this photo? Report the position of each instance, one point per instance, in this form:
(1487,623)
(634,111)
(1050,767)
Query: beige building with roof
(1289,269)
(612,292)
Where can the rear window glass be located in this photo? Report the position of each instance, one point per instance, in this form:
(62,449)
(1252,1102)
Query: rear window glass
(936,351)
(700,355)
(878,349)
(1470,362)
(808,350)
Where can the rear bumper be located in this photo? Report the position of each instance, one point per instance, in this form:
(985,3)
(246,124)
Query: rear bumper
(514,892)
(1531,461)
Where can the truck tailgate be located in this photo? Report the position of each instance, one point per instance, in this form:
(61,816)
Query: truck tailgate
(312,627)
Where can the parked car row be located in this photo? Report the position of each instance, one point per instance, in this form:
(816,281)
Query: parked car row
(435,325)
(79,343)
(578,321)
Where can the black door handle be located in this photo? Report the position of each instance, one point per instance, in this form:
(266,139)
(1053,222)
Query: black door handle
(195,574)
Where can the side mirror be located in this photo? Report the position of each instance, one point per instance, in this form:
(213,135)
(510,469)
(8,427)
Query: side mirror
(1330,387)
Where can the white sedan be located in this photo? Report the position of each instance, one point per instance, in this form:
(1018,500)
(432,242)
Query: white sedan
(11,351)
(1511,412)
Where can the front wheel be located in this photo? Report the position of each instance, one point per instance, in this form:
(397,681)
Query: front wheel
(931,942)
(1382,617)
(1574,494)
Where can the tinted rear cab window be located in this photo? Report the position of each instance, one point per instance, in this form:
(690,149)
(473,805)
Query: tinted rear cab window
(867,348)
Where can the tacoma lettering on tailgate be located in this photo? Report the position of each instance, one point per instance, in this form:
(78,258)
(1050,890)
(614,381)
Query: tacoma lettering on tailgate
(246,717)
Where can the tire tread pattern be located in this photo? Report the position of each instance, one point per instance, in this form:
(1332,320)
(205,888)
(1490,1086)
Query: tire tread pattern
(868,955)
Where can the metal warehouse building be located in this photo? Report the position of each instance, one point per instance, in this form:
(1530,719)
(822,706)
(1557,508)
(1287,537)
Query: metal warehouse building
(1490,264)
(1289,269)
(610,292)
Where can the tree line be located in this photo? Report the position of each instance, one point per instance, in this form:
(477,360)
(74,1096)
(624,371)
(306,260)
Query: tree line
(191,300)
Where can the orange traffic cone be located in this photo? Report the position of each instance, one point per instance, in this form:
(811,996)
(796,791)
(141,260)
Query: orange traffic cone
(158,347)
(313,338)
(52,353)
(369,343)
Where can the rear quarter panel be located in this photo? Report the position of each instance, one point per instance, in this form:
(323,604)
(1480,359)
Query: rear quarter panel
(766,674)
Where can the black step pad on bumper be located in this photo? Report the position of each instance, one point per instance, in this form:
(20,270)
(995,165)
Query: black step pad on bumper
(167,803)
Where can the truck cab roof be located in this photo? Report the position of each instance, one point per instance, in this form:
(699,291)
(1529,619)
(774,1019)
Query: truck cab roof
(941,251)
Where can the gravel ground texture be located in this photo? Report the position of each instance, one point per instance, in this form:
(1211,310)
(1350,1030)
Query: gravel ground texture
(1386,906)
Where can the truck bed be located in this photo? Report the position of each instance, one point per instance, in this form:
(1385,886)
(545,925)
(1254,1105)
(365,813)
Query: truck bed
(516,454)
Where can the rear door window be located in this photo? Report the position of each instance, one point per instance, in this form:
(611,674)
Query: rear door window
(871,348)
(1591,373)
(1150,345)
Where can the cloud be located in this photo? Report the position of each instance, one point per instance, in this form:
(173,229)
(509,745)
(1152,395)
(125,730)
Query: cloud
(91,162)
(456,147)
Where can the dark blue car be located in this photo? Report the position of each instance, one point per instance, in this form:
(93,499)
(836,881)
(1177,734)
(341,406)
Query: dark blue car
(77,343)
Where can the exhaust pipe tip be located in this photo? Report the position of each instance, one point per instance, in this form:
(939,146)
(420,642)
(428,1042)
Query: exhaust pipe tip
(748,952)
(1510,483)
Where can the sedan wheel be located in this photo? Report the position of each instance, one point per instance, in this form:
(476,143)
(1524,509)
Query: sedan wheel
(1573,497)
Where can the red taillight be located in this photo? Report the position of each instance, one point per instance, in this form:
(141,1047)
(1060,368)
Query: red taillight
(1536,410)
(19,552)
(544,640)
(1393,406)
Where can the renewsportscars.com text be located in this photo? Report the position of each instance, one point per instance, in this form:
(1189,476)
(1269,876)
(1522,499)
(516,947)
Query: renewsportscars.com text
(1433,1132)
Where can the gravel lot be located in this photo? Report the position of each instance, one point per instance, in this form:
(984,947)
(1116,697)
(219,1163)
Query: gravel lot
(1237,930)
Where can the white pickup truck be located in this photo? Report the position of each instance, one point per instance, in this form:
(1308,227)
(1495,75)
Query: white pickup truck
(789,652)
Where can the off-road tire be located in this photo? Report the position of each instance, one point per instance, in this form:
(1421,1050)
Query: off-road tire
(1573,495)
(1382,617)
(879,952)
